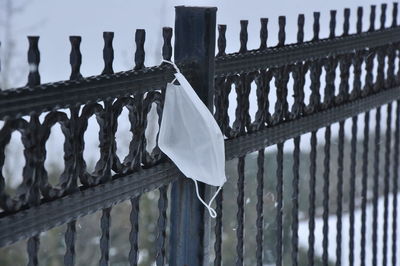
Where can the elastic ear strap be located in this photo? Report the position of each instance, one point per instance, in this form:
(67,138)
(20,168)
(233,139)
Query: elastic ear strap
(212,212)
(215,195)
(173,64)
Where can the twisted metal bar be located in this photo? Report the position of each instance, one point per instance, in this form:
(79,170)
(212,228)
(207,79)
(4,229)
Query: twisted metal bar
(69,258)
(134,234)
(353,163)
(311,210)
(295,199)
(162,226)
(364,188)
(240,213)
(376,187)
(105,224)
(33,250)
(395,164)
(388,139)
(279,205)
(259,207)
(33,177)
(325,229)
(218,229)
(75,62)
(339,196)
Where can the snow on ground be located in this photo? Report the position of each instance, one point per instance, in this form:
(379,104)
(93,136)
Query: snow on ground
(304,232)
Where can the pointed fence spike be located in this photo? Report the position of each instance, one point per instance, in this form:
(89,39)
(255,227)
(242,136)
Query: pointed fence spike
(394,14)
(281,33)
(167,47)
(359,19)
(243,35)
(332,24)
(346,23)
(108,52)
(372,18)
(316,26)
(221,40)
(383,15)
(300,28)
(140,37)
(263,33)
(75,57)
(33,61)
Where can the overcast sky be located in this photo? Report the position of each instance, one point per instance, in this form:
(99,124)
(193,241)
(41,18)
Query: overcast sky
(54,21)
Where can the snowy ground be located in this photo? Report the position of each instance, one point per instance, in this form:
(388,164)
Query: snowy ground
(303,234)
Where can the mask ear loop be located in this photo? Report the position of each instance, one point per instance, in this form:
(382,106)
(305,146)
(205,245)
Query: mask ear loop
(211,211)
(175,66)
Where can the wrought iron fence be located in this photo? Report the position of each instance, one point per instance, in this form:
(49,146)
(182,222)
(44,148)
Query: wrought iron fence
(361,79)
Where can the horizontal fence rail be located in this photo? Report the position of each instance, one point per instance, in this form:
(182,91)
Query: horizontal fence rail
(254,60)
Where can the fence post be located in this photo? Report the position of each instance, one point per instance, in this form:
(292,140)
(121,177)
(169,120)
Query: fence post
(190,225)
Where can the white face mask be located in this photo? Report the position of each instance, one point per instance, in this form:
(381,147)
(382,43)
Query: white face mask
(191,138)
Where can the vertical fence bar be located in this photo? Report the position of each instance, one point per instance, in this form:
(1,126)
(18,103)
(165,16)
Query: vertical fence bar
(376,187)
(315,103)
(260,205)
(395,164)
(163,199)
(218,229)
(295,198)
(219,117)
(105,220)
(311,210)
(134,234)
(279,206)
(194,40)
(364,188)
(339,197)
(75,62)
(140,36)
(33,80)
(386,183)
(105,223)
(240,213)
(325,229)
(394,14)
(162,225)
(353,163)
(330,68)
(297,110)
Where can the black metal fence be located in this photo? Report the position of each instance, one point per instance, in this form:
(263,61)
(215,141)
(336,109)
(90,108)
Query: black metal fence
(320,83)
